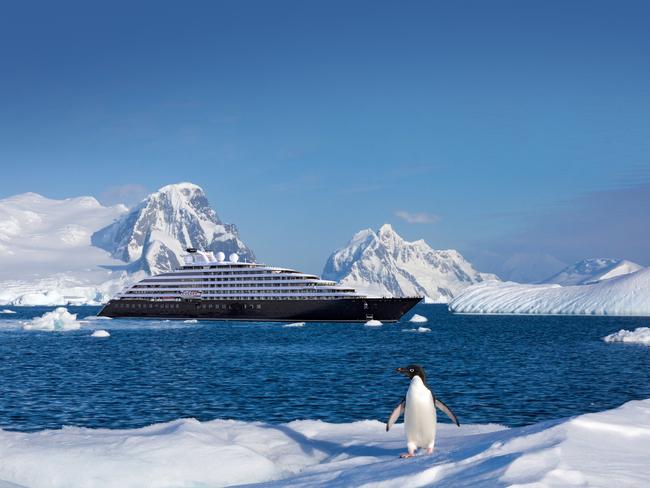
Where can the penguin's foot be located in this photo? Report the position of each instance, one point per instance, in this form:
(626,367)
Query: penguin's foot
(430,450)
(406,455)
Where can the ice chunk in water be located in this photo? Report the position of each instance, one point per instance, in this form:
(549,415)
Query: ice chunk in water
(58,319)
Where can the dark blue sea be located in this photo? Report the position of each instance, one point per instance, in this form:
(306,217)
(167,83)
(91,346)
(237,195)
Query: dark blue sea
(512,370)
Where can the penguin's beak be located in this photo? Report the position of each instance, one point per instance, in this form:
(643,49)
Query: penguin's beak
(402,370)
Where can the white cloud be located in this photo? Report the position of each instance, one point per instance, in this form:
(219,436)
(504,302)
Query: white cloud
(417,217)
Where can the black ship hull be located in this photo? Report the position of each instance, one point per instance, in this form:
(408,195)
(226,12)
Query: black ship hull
(298,310)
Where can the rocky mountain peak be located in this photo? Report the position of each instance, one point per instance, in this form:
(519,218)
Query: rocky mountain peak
(153,235)
(382,263)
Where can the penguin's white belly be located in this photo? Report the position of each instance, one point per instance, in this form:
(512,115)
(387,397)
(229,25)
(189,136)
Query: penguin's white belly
(419,415)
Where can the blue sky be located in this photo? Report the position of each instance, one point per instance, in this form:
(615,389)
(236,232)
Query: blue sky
(496,128)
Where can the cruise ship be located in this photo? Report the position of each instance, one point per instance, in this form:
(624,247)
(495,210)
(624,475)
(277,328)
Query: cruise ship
(215,288)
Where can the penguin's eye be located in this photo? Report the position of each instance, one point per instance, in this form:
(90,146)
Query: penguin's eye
(411,370)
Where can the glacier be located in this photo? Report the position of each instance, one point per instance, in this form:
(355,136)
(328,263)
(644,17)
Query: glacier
(382,263)
(75,251)
(622,295)
(607,449)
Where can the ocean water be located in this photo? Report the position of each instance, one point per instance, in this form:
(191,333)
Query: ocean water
(512,370)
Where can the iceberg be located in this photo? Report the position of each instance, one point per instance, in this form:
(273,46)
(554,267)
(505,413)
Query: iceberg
(419,329)
(7,311)
(621,295)
(100,333)
(605,449)
(418,319)
(640,335)
(373,323)
(191,321)
(58,319)
(295,324)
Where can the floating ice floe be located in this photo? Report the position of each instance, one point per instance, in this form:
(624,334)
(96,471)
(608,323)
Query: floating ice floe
(373,323)
(419,329)
(97,317)
(418,319)
(640,335)
(608,449)
(191,321)
(7,311)
(100,333)
(295,324)
(58,319)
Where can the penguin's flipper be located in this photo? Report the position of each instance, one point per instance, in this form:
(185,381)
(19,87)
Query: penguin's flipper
(447,410)
(397,412)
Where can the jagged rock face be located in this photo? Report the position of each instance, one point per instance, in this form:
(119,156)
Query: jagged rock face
(593,270)
(153,236)
(383,264)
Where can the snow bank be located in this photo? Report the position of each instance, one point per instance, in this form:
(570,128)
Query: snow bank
(603,449)
(7,311)
(373,323)
(640,335)
(623,295)
(418,319)
(295,324)
(100,333)
(58,319)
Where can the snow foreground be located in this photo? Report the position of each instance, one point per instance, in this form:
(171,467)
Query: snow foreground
(640,335)
(622,295)
(603,449)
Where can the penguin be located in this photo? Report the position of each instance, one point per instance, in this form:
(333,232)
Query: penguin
(419,409)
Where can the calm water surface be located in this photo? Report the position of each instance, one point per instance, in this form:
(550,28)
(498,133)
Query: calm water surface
(513,370)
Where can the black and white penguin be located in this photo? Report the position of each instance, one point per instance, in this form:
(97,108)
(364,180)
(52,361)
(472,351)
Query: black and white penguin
(419,409)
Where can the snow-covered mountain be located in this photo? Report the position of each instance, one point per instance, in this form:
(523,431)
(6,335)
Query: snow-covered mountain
(383,264)
(593,270)
(54,252)
(154,235)
(621,295)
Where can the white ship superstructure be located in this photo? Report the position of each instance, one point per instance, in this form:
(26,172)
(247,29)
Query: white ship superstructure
(209,277)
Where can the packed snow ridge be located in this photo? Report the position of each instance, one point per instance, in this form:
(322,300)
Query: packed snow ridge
(640,335)
(608,449)
(382,263)
(622,295)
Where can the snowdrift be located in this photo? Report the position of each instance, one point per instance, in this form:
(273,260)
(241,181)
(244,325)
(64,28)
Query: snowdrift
(623,295)
(602,449)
